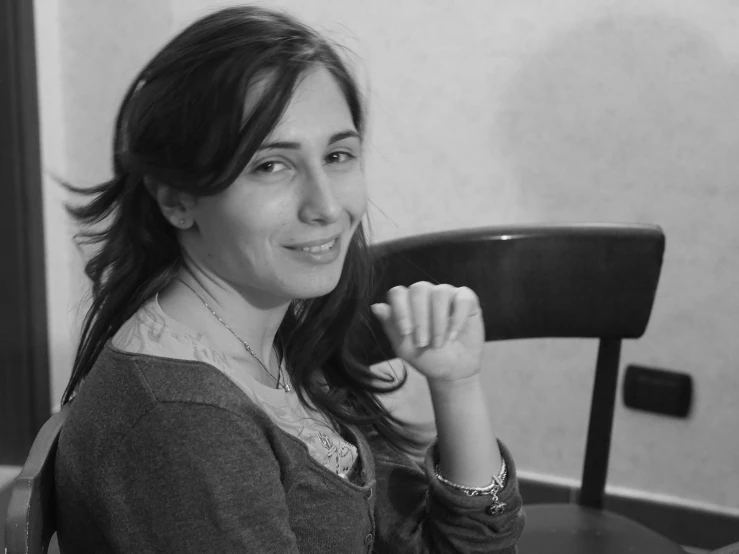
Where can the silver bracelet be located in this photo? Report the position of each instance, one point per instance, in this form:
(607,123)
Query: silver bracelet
(492,489)
(498,482)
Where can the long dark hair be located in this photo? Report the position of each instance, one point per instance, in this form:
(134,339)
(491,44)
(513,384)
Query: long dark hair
(182,123)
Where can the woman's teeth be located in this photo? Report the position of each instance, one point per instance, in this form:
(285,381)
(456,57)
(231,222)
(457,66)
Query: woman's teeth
(321,248)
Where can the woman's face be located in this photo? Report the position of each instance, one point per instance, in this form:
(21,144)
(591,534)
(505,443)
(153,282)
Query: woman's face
(304,188)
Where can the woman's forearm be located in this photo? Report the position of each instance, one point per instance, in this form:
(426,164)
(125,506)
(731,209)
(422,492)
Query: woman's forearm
(468,450)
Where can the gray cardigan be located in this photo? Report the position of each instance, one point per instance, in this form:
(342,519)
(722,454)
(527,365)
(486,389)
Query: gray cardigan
(163,455)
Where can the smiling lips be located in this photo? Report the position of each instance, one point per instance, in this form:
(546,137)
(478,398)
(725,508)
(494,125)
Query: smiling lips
(315,246)
(322,248)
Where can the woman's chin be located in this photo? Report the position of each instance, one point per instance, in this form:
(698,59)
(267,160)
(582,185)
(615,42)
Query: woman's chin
(315,293)
(316,289)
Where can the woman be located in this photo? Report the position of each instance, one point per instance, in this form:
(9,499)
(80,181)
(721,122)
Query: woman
(217,405)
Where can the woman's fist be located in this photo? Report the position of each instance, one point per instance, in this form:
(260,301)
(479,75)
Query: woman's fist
(438,329)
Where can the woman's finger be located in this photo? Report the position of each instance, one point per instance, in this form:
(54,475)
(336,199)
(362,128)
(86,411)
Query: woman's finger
(419,298)
(441,296)
(382,311)
(397,298)
(384,314)
(464,304)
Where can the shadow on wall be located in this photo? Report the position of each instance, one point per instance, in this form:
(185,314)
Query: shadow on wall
(627,118)
(635,119)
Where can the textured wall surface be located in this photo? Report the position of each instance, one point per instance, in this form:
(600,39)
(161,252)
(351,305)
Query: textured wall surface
(486,112)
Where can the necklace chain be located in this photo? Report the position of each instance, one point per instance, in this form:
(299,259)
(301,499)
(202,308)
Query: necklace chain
(280,381)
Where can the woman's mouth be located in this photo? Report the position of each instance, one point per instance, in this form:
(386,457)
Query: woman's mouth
(318,253)
(321,248)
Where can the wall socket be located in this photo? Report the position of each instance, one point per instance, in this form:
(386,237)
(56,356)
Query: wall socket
(658,391)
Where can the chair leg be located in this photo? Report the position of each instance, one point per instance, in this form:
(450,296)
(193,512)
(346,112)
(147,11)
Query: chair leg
(597,448)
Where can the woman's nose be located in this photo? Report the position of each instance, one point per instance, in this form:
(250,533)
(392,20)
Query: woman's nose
(320,202)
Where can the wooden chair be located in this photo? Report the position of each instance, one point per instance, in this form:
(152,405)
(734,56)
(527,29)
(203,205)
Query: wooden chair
(586,281)
(31,518)
(728,549)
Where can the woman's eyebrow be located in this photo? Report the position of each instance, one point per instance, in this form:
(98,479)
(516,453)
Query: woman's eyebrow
(349,133)
(336,137)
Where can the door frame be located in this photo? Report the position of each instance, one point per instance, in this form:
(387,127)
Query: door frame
(25,399)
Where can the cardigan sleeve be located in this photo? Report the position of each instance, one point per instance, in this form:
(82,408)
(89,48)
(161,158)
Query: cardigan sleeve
(415,513)
(232,501)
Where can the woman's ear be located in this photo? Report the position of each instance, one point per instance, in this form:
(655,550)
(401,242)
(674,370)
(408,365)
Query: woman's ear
(176,206)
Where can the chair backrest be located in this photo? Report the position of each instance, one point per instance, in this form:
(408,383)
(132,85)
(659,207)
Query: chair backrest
(583,280)
(728,549)
(31,518)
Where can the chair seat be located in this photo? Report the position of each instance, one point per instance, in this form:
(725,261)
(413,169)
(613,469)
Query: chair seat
(573,529)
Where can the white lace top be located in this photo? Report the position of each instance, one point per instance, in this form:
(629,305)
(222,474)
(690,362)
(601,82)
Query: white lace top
(151,331)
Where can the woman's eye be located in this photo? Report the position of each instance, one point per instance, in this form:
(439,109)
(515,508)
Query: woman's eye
(339,157)
(270,167)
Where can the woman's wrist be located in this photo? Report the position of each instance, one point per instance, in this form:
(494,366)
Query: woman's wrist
(468,449)
(461,385)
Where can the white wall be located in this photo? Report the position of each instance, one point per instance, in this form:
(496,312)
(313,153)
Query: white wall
(88,52)
(57,233)
(486,112)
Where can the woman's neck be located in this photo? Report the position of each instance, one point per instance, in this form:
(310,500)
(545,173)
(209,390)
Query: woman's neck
(185,299)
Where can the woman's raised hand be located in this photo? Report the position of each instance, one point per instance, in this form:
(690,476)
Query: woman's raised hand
(438,329)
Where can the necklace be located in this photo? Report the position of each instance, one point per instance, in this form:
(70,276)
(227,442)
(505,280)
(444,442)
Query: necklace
(280,381)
